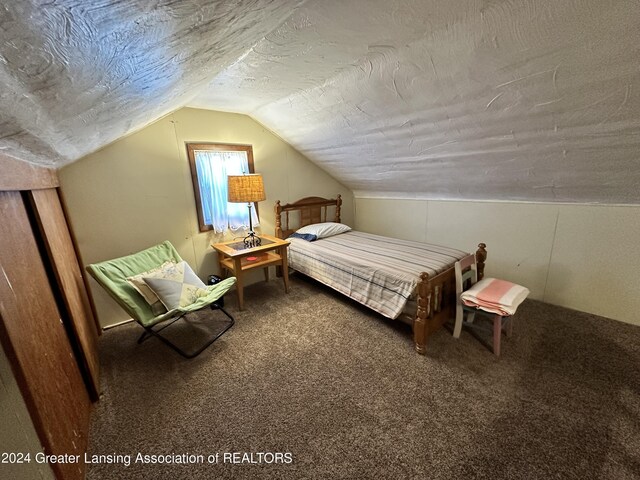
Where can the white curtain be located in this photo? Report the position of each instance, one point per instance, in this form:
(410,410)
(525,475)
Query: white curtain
(212,168)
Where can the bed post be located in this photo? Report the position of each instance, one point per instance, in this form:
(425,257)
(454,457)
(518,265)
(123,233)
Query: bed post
(424,307)
(278,210)
(338,203)
(481,256)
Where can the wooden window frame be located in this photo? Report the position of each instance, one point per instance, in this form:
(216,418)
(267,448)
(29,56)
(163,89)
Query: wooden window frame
(215,147)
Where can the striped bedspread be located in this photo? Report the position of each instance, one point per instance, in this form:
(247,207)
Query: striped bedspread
(379,272)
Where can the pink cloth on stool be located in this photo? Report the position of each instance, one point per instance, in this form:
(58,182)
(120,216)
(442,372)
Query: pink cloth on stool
(495,296)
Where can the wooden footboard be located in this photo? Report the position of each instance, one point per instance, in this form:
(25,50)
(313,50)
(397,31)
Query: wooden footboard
(437,301)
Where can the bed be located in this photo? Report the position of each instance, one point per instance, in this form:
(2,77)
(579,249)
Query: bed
(399,279)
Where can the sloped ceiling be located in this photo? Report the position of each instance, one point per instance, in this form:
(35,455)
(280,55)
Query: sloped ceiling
(497,100)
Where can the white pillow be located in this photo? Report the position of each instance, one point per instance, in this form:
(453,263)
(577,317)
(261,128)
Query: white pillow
(324,230)
(176,285)
(143,289)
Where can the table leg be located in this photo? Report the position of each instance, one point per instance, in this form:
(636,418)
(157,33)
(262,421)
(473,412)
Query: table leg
(266,274)
(285,268)
(237,266)
(223,272)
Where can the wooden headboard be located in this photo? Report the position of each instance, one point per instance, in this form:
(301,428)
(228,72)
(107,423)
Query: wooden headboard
(305,211)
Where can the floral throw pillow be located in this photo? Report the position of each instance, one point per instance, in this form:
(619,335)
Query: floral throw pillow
(176,285)
(137,282)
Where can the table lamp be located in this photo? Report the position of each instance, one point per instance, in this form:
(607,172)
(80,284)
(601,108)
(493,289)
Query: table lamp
(247,188)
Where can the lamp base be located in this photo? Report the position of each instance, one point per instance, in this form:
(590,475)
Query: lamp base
(252,240)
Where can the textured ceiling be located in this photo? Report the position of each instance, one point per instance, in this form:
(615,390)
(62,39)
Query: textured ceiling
(497,100)
(78,74)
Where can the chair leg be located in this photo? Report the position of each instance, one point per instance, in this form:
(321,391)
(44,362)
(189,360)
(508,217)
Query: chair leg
(459,319)
(149,331)
(497,333)
(509,326)
(144,336)
(470,317)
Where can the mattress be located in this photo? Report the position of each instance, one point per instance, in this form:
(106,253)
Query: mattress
(379,272)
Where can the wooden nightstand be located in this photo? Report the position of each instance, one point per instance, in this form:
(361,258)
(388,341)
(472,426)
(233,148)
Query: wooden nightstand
(234,258)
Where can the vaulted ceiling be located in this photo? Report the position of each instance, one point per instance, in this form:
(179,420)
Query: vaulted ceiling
(455,99)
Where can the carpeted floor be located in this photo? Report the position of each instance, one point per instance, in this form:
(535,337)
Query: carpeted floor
(342,393)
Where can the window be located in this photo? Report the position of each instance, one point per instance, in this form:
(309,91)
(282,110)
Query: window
(210,165)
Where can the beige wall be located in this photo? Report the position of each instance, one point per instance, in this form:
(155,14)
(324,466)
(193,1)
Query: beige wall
(578,256)
(138,191)
(18,432)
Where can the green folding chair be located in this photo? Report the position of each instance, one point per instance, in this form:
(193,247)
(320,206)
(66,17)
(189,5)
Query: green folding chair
(112,276)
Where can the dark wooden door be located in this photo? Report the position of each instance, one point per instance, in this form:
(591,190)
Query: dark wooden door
(62,257)
(36,343)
